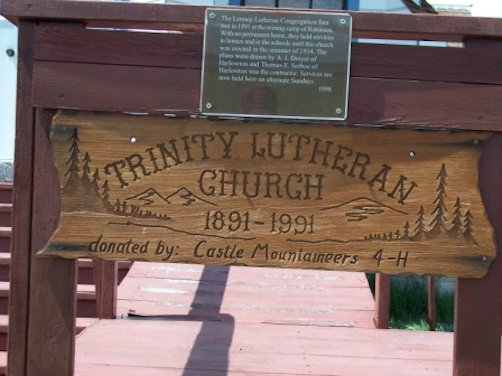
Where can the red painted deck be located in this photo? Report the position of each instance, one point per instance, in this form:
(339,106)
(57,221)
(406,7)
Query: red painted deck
(196,321)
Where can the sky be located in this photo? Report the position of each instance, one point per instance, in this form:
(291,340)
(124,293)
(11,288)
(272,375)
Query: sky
(8,35)
(486,8)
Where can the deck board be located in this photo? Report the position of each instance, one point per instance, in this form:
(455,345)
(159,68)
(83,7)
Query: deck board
(248,294)
(252,322)
(154,347)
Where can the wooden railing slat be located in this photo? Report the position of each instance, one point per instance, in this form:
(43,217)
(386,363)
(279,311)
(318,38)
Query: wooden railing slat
(80,45)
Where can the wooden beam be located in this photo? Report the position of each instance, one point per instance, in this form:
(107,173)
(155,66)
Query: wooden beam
(382,301)
(106,282)
(385,102)
(126,88)
(59,43)
(62,44)
(368,24)
(478,306)
(431,302)
(21,222)
(52,304)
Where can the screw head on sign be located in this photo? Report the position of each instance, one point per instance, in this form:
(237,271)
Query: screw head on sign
(412,154)
(475,142)
(212,15)
(484,258)
(343,21)
(209,105)
(338,110)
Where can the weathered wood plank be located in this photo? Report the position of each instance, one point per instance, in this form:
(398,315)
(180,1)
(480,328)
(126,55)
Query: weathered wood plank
(259,295)
(21,222)
(396,103)
(418,104)
(63,44)
(115,88)
(223,199)
(51,335)
(426,63)
(219,348)
(385,25)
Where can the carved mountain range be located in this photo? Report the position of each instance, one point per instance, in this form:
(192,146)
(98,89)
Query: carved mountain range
(362,208)
(185,197)
(151,199)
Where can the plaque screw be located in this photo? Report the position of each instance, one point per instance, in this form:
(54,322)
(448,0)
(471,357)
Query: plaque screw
(212,15)
(209,105)
(343,21)
(412,154)
(475,142)
(484,258)
(10,52)
(133,139)
(338,110)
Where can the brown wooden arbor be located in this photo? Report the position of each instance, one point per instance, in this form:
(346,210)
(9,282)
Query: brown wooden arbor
(70,57)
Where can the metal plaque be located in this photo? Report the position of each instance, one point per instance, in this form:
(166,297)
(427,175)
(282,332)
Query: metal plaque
(276,64)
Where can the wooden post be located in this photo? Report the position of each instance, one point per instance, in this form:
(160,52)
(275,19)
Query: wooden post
(382,301)
(431,302)
(21,221)
(106,282)
(478,306)
(52,304)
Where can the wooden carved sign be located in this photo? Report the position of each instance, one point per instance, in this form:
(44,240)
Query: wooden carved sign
(269,194)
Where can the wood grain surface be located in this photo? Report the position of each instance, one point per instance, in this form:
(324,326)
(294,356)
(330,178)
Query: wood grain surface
(269,194)
(153,49)
(375,101)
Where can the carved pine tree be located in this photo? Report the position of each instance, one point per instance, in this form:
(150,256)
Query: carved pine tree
(397,234)
(438,223)
(86,172)
(105,191)
(468,232)
(419,225)
(72,162)
(457,227)
(406,231)
(95,181)
(117,206)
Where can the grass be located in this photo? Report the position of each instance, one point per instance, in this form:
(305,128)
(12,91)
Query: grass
(408,305)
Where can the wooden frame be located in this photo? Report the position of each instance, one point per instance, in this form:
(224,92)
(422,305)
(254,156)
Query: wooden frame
(63,64)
